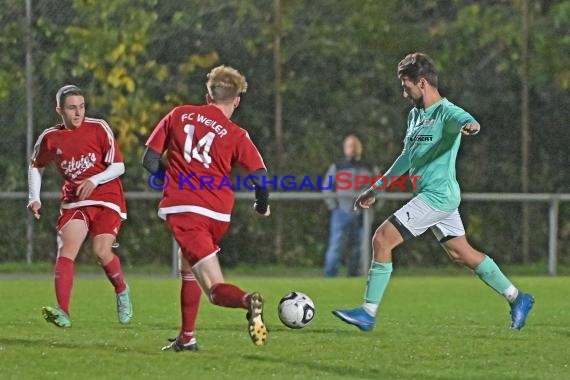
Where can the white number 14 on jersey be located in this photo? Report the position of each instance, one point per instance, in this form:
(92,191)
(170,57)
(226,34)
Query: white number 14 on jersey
(201,150)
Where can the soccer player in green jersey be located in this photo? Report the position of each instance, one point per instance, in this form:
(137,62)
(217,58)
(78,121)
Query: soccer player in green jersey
(435,127)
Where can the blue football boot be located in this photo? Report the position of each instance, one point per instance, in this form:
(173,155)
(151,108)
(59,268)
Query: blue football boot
(520,309)
(357,317)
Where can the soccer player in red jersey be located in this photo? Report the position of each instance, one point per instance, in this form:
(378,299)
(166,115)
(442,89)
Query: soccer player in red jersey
(203,144)
(87,156)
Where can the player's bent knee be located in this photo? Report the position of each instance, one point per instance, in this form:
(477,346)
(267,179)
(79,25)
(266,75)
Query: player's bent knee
(104,256)
(67,254)
(378,239)
(384,240)
(454,256)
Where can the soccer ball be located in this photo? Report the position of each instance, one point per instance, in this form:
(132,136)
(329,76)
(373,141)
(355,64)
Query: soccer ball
(296,310)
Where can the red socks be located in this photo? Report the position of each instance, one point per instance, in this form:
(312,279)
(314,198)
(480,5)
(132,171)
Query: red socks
(115,274)
(190,293)
(228,295)
(64,271)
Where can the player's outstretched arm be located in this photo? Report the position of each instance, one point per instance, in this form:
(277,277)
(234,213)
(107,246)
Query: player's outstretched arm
(399,167)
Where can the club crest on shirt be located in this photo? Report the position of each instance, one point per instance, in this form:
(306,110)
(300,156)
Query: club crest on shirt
(74,167)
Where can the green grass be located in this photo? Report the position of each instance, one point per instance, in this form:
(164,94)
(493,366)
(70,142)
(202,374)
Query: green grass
(540,268)
(428,328)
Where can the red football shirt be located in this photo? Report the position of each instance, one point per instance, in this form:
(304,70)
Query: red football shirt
(203,145)
(79,154)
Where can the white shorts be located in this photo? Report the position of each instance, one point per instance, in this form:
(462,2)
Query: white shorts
(417,216)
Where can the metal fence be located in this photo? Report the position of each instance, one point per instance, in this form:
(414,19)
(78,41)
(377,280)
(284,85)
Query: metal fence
(552,200)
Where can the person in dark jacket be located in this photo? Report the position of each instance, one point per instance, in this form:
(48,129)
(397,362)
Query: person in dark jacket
(345,224)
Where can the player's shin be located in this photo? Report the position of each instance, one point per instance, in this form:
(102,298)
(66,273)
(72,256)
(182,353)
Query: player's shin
(378,278)
(64,272)
(190,293)
(114,273)
(488,271)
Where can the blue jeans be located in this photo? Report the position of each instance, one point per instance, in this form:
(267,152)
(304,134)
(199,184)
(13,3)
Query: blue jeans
(345,231)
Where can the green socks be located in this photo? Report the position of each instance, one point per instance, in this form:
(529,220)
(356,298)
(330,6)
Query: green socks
(378,278)
(491,275)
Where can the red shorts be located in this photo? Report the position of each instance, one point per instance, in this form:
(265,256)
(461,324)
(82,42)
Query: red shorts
(197,235)
(99,219)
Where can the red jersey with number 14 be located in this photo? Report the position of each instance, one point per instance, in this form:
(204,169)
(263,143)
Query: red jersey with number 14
(203,145)
(81,153)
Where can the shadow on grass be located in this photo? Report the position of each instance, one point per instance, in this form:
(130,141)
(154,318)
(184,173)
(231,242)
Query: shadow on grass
(66,344)
(358,370)
(333,370)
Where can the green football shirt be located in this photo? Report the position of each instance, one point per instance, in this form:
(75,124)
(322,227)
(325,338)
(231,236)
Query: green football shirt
(430,150)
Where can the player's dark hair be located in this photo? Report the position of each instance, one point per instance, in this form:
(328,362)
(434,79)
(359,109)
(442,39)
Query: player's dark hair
(416,66)
(66,91)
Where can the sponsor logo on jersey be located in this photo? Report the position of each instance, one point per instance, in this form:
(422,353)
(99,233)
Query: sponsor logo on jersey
(421,138)
(75,167)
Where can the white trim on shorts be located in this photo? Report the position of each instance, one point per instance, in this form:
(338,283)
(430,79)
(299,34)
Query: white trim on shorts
(208,257)
(83,218)
(417,216)
(90,202)
(163,211)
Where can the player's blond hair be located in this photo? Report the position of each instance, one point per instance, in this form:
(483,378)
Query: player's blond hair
(225,83)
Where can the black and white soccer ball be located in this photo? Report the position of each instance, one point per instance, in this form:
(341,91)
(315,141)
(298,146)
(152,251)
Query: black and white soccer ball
(296,310)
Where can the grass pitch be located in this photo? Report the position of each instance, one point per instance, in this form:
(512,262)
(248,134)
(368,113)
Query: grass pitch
(428,328)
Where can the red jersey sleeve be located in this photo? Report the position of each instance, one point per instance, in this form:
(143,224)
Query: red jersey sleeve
(118,157)
(42,155)
(158,140)
(247,155)
(109,147)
